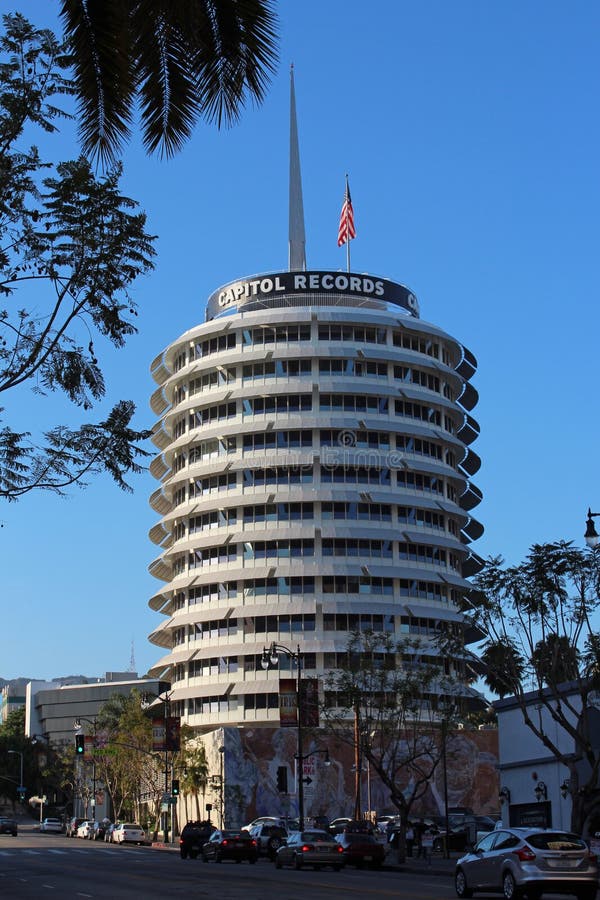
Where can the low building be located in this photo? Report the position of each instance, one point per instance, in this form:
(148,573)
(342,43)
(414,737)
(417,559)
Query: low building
(534,784)
(11,697)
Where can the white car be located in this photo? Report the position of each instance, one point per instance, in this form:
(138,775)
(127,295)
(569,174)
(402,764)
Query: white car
(125,833)
(52,825)
(85,829)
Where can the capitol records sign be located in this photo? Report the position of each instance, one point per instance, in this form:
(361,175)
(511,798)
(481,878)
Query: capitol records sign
(276,285)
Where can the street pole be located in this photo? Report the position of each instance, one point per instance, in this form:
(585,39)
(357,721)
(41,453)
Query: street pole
(221,787)
(299,712)
(445,767)
(270,658)
(166,833)
(18,753)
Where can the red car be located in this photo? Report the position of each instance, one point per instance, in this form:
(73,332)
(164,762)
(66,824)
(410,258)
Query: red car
(361,849)
(235,845)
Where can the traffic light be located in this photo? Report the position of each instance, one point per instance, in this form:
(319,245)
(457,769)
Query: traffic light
(175,787)
(79,744)
(282,779)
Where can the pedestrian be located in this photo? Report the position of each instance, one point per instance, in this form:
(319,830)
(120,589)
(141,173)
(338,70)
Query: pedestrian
(427,845)
(410,839)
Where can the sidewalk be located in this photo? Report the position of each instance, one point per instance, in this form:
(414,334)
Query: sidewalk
(436,865)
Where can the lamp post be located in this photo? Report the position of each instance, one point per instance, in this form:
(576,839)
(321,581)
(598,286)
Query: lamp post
(21,789)
(77,725)
(270,657)
(222,786)
(592,538)
(170,743)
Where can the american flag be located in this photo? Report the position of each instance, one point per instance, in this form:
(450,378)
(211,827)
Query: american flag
(346,231)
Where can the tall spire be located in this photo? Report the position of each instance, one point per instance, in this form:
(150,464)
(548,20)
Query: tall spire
(297,239)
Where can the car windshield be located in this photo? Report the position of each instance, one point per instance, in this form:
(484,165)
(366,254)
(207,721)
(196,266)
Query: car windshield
(555,840)
(235,834)
(137,827)
(315,836)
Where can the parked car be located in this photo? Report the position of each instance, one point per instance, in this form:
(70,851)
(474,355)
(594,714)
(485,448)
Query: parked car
(72,826)
(193,837)
(8,826)
(310,848)
(359,826)
(528,860)
(99,830)
(125,833)
(282,821)
(51,825)
(461,829)
(109,833)
(384,821)
(361,849)
(336,826)
(269,838)
(85,829)
(234,845)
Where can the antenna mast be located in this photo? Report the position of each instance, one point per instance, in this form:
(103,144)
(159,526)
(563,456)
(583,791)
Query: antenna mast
(297,238)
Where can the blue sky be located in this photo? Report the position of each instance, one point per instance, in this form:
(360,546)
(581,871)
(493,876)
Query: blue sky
(470,134)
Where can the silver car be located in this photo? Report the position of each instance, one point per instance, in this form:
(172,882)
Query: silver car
(532,860)
(310,848)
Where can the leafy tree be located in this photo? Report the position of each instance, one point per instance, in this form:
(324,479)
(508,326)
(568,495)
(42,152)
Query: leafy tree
(14,725)
(125,762)
(541,647)
(194,765)
(71,247)
(178,59)
(393,703)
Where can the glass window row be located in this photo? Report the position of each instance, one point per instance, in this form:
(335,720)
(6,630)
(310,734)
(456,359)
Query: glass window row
(308,585)
(328,332)
(282,476)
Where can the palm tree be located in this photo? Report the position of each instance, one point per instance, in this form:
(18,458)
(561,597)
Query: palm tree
(179,59)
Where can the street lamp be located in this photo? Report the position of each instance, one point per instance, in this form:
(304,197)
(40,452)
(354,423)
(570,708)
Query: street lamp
(222,786)
(504,795)
(565,788)
(21,788)
(270,657)
(592,538)
(541,791)
(171,742)
(77,726)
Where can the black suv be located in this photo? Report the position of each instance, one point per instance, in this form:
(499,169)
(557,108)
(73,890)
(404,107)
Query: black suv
(193,837)
(72,826)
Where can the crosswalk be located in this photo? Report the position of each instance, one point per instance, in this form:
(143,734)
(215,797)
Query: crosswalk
(56,851)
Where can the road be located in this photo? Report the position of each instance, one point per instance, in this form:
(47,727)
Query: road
(36,866)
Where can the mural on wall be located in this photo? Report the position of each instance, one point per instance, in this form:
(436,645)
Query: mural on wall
(253,756)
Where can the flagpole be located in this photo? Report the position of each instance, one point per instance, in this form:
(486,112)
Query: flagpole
(348,238)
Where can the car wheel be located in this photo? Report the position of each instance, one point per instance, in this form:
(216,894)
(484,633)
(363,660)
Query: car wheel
(509,887)
(297,862)
(460,884)
(218,857)
(252,860)
(183,853)
(336,868)
(193,854)
(274,845)
(278,863)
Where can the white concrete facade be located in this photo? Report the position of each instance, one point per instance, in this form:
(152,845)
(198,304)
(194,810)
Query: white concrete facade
(315,477)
